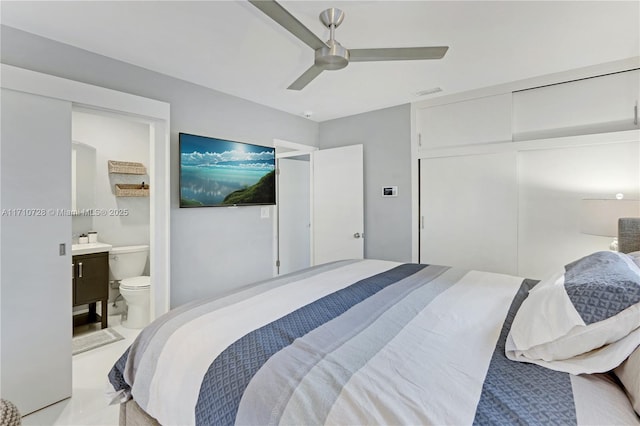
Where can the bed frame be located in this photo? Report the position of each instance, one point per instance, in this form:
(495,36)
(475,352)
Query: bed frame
(628,241)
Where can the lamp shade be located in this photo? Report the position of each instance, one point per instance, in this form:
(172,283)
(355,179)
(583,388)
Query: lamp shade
(600,217)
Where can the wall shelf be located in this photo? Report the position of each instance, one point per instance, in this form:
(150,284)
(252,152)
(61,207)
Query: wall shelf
(131,190)
(127,167)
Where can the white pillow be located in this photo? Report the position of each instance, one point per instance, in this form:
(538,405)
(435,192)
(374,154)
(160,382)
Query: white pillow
(635,256)
(629,374)
(585,319)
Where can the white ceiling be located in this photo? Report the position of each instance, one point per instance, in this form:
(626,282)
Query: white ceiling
(232,47)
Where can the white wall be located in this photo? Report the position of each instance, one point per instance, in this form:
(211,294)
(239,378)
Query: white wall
(213,250)
(121,140)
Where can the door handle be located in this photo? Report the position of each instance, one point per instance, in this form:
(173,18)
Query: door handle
(79,269)
(356,235)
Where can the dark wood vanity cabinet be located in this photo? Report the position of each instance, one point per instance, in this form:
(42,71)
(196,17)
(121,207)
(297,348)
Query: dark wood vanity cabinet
(90,286)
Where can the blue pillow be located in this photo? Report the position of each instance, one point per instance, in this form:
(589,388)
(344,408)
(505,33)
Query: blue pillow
(584,319)
(601,285)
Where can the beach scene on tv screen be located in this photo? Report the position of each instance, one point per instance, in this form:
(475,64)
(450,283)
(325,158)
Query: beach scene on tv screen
(217,172)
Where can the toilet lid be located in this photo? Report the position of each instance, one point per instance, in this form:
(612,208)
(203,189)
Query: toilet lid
(136,282)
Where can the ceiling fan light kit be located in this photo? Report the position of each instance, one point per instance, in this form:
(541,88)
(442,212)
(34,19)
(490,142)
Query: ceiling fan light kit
(332,55)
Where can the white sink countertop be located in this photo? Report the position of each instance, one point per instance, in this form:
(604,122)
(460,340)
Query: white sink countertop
(89,248)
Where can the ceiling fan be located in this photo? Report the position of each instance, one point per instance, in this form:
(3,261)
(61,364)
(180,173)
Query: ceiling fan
(332,55)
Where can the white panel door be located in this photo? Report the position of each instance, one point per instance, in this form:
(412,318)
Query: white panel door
(552,184)
(294,214)
(469,211)
(338,204)
(35,314)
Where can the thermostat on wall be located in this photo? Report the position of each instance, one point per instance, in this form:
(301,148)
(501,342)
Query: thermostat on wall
(389,191)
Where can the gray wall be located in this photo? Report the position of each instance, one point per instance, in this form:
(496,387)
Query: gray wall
(386,136)
(213,250)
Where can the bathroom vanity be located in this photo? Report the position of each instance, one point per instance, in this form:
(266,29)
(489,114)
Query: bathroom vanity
(91,282)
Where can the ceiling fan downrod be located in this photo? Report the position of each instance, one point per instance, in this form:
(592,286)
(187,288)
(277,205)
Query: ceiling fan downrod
(332,18)
(333,56)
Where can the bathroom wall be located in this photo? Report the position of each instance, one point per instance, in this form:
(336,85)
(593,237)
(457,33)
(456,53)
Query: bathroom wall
(126,221)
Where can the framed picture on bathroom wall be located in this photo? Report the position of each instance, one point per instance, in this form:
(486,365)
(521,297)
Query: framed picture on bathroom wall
(223,173)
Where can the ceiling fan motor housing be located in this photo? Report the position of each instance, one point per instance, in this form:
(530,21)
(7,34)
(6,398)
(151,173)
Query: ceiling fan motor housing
(332,57)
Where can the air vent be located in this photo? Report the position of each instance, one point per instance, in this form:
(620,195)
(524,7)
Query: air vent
(429,91)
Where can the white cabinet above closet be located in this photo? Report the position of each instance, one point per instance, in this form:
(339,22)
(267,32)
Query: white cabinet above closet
(475,121)
(599,104)
(501,175)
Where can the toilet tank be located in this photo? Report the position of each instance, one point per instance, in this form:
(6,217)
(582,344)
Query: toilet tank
(127,261)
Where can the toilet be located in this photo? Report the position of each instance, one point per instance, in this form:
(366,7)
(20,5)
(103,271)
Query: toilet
(126,265)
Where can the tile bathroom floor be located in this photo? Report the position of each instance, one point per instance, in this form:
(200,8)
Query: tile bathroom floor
(88,403)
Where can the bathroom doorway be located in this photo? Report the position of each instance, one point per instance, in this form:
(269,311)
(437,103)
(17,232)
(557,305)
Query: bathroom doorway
(294,213)
(102,212)
(39,108)
(292,225)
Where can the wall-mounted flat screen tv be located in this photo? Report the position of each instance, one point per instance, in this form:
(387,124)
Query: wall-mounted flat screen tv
(222,173)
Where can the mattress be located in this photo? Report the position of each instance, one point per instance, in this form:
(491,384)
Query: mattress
(356,342)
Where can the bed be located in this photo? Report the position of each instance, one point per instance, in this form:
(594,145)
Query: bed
(379,342)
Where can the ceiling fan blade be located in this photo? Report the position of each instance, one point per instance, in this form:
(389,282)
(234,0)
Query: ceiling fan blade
(306,78)
(397,53)
(279,14)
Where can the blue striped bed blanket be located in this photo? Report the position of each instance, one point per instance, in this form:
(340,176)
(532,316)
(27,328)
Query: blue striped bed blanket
(356,342)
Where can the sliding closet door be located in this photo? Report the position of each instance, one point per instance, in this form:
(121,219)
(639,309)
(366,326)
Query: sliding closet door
(35,311)
(552,184)
(469,211)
